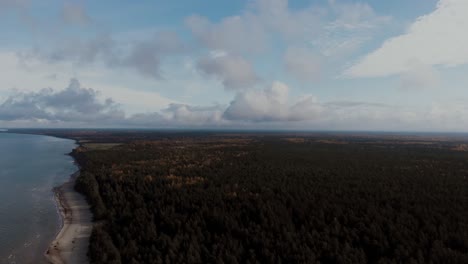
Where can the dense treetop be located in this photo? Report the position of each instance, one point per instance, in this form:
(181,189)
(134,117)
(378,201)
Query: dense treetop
(273,199)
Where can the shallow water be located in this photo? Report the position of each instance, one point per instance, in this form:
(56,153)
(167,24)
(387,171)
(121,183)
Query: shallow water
(30,166)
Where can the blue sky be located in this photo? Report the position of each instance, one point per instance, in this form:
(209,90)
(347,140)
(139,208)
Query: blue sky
(254,64)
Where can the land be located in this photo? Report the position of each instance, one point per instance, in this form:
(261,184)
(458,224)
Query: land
(264,197)
(71,243)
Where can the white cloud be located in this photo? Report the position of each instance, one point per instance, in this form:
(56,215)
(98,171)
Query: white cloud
(302,63)
(276,17)
(438,38)
(187,114)
(355,16)
(307,107)
(179,115)
(234,71)
(447,116)
(271,105)
(236,34)
(420,77)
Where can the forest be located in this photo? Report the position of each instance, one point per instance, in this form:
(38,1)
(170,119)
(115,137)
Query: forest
(276,199)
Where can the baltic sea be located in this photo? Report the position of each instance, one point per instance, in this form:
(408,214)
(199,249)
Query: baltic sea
(30,166)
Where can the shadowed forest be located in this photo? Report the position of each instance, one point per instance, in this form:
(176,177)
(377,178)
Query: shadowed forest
(276,199)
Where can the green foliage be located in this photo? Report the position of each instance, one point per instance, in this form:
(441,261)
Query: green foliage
(86,183)
(272,201)
(103,250)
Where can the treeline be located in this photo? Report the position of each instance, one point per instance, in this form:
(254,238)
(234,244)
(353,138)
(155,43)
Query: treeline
(273,201)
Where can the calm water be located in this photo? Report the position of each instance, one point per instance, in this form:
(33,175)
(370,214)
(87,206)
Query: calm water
(30,166)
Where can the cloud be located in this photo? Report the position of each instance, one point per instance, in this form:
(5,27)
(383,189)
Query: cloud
(352,104)
(279,20)
(355,16)
(271,105)
(270,108)
(451,116)
(234,71)
(330,32)
(101,47)
(266,23)
(306,108)
(134,93)
(187,114)
(236,34)
(73,104)
(420,77)
(349,27)
(263,25)
(179,115)
(144,56)
(302,64)
(353,115)
(75,13)
(83,107)
(436,39)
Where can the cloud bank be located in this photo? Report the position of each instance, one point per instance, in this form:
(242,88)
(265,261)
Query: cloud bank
(268,108)
(271,104)
(74,104)
(436,39)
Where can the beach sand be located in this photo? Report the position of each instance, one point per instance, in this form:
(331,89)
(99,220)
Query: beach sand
(71,243)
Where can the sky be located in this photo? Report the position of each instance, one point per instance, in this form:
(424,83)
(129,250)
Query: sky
(241,64)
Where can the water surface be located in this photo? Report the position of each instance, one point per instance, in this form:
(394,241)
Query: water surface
(30,166)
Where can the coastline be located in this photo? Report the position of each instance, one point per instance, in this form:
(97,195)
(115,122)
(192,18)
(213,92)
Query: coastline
(71,243)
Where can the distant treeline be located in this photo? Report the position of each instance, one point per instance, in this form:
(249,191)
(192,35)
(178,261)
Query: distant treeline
(276,201)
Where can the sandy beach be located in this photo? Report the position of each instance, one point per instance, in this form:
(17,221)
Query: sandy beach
(71,243)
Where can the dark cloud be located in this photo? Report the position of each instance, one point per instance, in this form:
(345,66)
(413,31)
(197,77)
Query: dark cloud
(74,104)
(79,106)
(21,107)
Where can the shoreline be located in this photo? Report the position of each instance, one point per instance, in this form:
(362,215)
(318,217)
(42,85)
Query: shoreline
(70,245)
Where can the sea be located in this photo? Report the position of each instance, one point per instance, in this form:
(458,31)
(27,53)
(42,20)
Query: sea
(30,167)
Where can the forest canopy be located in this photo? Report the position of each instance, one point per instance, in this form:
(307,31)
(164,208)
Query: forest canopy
(276,199)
